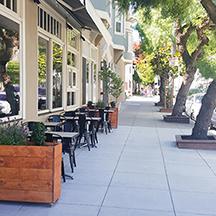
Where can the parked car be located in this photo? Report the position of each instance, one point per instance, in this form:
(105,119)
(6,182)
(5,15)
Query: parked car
(213,120)
(193,105)
(4,105)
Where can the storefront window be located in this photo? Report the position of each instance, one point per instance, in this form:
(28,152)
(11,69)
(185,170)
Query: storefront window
(57,75)
(42,74)
(9,68)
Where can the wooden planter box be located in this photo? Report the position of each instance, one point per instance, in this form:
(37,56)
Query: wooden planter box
(176,119)
(182,142)
(30,173)
(114,118)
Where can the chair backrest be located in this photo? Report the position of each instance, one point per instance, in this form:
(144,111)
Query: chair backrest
(107,113)
(101,114)
(91,113)
(70,113)
(82,109)
(54,118)
(52,137)
(82,123)
(30,124)
(70,126)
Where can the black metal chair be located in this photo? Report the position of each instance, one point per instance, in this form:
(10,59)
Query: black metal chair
(104,123)
(56,118)
(69,145)
(55,138)
(83,132)
(70,124)
(70,113)
(107,119)
(93,128)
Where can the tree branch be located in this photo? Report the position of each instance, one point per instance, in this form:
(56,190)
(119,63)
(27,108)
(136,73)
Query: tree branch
(200,30)
(181,39)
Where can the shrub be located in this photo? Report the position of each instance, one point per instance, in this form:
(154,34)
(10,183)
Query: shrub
(100,104)
(38,134)
(12,134)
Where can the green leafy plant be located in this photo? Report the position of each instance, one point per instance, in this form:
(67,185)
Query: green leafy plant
(111,81)
(89,104)
(100,104)
(113,104)
(116,86)
(12,134)
(38,134)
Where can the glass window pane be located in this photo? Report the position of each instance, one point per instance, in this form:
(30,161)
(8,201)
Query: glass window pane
(1,1)
(74,79)
(54,26)
(42,74)
(41,18)
(87,73)
(70,78)
(95,72)
(15,5)
(45,21)
(51,25)
(8,4)
(71,98)
(118,27)
(69,58)
(10,68)
(48,21)
(60,31)
(72,38)
(57,75)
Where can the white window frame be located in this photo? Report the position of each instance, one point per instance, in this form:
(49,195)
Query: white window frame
(119,18)
(74,69)
(52,39)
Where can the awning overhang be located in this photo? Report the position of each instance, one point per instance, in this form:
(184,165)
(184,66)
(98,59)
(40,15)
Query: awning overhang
(86,15)
(79,12)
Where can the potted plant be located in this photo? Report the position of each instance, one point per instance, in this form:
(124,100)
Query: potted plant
(100,104)
(29,171)
(112,84)
(115,91)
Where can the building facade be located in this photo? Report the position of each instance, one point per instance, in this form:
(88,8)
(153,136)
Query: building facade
(50,55)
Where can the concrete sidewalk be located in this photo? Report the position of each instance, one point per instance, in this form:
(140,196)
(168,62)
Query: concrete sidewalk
(135,171)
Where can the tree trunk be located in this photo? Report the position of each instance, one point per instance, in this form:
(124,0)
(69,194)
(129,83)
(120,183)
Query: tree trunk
(105,94)
(2,68)
(162,92)
(181,98)
(203,121)
(210,8)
